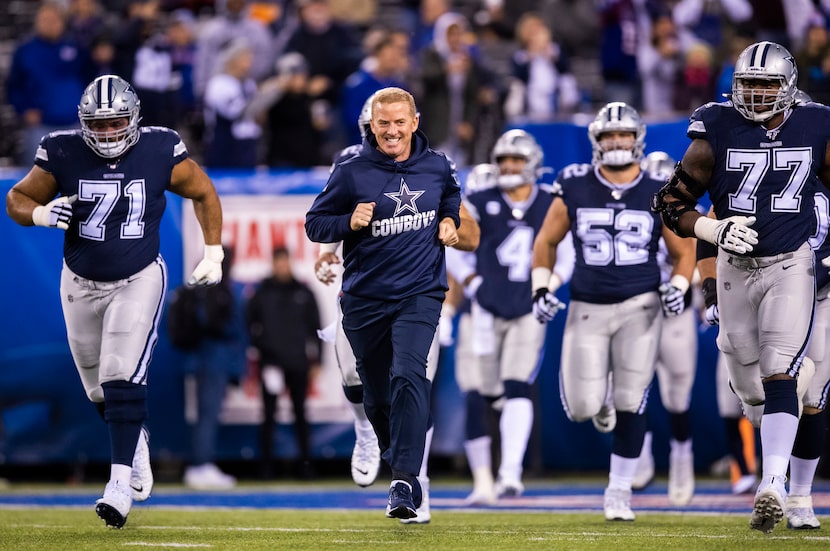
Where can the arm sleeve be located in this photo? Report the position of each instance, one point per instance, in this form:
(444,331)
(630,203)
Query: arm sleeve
(328,219)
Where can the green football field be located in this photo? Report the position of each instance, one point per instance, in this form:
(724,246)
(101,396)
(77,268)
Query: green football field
(74,529)
(561,514)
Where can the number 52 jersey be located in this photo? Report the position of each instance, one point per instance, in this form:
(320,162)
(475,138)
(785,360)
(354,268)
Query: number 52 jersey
(114,231)
(769,174)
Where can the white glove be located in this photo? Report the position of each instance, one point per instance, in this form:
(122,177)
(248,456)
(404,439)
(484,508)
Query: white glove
(731,234)
(545,305)
(445,336)
(671,299)
(324,273)
(209,270)
(56,213)
(712,315)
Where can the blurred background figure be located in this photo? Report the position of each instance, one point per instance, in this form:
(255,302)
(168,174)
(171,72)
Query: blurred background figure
(542,85)
(48,74)
(213,361)
(231,133)
(283,318)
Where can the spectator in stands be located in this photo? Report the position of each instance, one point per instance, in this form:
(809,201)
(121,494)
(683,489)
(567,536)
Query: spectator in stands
(454,88)
(85,21)
(696,80)
(161,63)
(424,31)
(618,52)
(660,60)
(712,22)
(723,84)
(231,22)
(232,132)
(139,23)
(48,74)
(386,65)
(332,51)
(217,361)
(283,318)
(542,85)
(813,61)
(293,133)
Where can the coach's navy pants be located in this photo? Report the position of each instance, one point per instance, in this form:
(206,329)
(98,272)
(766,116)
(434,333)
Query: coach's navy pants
(391,340)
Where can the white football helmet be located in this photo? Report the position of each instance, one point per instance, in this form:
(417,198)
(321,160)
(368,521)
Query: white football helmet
(659,163)
(364,120)
(766,61)
(518,143)
(617,116)
(109,97)
(481,176)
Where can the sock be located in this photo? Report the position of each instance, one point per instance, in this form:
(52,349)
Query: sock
(802,472)
(515,425)
(777,437)
(622,472)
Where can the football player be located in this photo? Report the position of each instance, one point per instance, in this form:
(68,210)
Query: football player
(759,157)
(676,364)
(612,332)
(110,179)
(506,338)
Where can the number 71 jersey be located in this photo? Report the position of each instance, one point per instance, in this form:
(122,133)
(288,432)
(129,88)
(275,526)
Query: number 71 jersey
(768,174)
(615,234)
(114,231)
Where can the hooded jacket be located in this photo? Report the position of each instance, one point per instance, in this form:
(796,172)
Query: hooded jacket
(398,255)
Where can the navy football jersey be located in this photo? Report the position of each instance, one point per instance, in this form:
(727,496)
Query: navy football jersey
(615,234)
(819,240)
(114,229)
(765,173)
(505,253)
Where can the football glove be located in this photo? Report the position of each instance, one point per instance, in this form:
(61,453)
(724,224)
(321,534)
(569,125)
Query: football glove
(209,270)
(55,214)
(710,299)
(671,299)
(545,305)
(731,234)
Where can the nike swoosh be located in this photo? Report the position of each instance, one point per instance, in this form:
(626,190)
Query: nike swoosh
(787,267)
(361,471)
(137,488)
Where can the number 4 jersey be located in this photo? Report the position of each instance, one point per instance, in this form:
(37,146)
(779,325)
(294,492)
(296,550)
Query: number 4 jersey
(615,234)
(769,174)
(114,229)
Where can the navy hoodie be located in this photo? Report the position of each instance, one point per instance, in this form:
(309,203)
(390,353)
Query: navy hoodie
(398,255)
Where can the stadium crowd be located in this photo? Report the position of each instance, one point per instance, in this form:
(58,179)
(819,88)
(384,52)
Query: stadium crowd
(284,80)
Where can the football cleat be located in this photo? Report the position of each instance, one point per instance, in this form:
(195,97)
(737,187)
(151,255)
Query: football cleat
(617,505)
(365,458)
(744,484)
(800,514)
(509,488)
(401,504)
(681,476)
(141,479)
(768,509)
(115,504)
(422,514)
(207,477)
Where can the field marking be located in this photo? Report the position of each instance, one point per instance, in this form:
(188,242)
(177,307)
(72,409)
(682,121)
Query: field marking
(148,544)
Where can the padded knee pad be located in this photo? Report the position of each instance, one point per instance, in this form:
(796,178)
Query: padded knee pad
(516,389)
(354,394)
(124,402)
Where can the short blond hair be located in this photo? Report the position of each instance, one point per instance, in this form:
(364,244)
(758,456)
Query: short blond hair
(394,95)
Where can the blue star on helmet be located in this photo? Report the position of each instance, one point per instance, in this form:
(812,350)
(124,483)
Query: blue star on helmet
(405,199)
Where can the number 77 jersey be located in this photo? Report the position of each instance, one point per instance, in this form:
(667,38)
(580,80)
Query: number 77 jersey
(769,174)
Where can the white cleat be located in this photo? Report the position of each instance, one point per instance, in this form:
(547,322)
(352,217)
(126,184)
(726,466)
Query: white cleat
(141,479)
(681,477)
(617,505)
(509,488)
(365,460)
(115,504)
(422,515)
(208,477)
(768,509)
(800,514)
(744,484)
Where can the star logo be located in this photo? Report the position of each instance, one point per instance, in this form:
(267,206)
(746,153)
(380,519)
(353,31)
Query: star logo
(405,199)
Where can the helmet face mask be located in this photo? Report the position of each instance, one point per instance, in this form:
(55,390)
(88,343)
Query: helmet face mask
(617,117)
(517,144)
(764,81)
(109,97)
